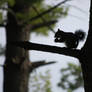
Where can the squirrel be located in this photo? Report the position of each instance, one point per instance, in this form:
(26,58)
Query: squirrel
(70,39)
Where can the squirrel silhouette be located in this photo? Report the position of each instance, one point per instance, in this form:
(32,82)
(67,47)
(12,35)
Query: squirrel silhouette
(70,39)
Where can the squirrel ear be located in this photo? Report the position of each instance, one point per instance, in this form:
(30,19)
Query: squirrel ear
(59,29)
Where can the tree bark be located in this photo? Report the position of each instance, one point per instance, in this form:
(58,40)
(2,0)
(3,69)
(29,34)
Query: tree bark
(16,67)
(86,57)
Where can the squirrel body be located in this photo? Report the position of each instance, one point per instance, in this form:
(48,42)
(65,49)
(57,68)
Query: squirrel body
(70,39)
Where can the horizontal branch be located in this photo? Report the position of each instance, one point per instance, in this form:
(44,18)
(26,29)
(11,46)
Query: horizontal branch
(45,24)
(47,48)
(45,12)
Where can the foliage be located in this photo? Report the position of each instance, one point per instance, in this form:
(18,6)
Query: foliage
(71,77)
(40,82)
(26,12)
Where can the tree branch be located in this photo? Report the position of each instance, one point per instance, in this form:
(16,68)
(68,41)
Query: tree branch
(43,19)
(36,26)
(2,50)
(47,48)
(1,65)
(77,8)
(38,64)
(2,25)
(10,11)
(45,12)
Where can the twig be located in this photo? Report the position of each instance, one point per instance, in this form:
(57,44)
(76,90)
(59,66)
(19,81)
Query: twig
(43,19)
(81,10)
(2,25)
(1,65)
(45,12)
(10,11)
(38,64)
(43,24)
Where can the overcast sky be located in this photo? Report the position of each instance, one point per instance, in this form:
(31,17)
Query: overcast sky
(77,19)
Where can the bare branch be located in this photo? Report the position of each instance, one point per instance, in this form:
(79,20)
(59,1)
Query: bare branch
(45,12)
(2,50)
(2,25)
(43,19)
(10,11)
(47,48)
(1,65)
(38,64)
(77,8)
(36,26)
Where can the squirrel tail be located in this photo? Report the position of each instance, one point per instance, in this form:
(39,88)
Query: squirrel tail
(80,34)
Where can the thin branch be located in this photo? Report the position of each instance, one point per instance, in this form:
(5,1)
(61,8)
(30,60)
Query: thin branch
(43,19)
(38,64)
(79,9)
(36,26)
(10,11)
(2,25)
(47,48)
(2,53)
(1,65)
(2,50)
(45,12)
(77,17)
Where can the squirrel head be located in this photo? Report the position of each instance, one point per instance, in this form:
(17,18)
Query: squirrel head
(58,36)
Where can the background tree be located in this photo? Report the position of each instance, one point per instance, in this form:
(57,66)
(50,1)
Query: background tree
(40,82)
(71,71)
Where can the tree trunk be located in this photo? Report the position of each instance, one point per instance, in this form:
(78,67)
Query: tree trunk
(16,68)
(86,59)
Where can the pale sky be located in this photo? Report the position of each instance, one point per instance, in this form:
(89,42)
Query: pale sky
(77,19)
